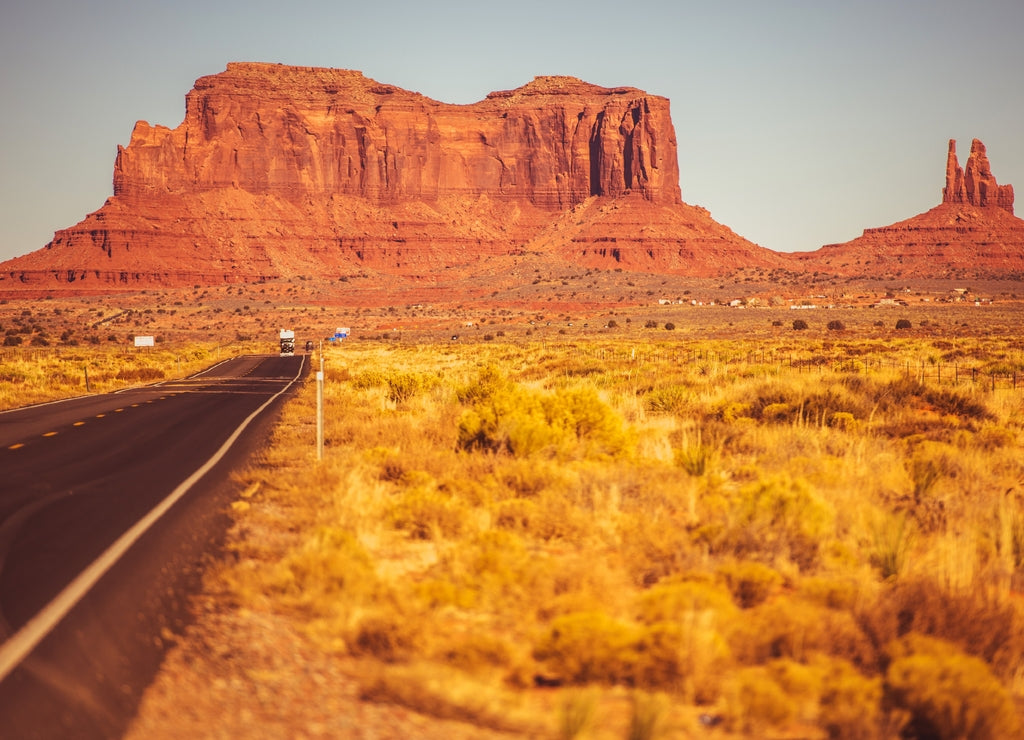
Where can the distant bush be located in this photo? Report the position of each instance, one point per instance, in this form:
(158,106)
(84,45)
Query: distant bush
(670,326)
(904,324)
(672,399)
(369,379)
(799,324)
(836,325)
(750,582)
(651,324)
(402,387)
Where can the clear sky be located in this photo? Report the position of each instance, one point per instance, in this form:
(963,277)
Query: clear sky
(798,123)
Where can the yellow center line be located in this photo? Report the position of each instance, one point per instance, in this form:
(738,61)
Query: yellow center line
(100,416)
(118,411)
(78,424)
(16,446)
(50,434)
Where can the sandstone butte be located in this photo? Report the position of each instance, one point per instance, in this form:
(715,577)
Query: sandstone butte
(280,171)
(972,233)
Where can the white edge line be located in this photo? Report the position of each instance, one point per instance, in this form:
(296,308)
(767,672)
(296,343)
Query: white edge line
(39,626)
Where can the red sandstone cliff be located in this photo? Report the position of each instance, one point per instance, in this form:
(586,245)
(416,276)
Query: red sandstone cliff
(279,171)
(971,233)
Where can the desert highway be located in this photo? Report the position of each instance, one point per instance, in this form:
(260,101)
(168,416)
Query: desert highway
(108,506)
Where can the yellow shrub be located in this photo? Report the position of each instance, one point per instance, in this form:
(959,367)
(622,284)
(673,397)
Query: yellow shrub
(750,582)
(327,571)
(523,422)
(794,628)
(589,647)
(756,702)
(850,702)
(843,420)
(673,597)
(949,694)
(778,516)
(425,513)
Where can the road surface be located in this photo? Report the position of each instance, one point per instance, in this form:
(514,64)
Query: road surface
(108,506)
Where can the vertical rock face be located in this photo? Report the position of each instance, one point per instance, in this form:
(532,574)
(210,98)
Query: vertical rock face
(298,133)
(976,184)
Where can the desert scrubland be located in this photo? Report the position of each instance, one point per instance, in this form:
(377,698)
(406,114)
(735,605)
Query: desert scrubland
(653,538)
(745,530)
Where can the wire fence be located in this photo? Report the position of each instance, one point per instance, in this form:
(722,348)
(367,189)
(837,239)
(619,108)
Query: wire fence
(978,376)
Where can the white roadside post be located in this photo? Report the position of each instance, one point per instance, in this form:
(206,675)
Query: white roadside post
(320,415)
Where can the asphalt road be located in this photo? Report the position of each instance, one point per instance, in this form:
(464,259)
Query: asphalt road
(108,506)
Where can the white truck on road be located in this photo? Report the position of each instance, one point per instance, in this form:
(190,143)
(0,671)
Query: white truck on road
(287,342)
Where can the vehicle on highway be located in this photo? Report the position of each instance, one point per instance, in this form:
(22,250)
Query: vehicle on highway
(287,342)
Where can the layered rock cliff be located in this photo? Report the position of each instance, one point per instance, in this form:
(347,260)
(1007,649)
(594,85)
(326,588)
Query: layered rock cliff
(278,171)
(971,233)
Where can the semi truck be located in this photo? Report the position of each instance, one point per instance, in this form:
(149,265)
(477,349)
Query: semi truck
(287,342)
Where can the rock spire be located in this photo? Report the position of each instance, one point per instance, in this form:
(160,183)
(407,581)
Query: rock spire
(976,184)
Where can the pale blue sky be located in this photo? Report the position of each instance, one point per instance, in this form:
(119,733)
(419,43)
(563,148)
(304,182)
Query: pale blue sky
(798,123)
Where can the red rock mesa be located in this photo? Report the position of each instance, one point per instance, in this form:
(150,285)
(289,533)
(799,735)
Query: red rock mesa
(279,171)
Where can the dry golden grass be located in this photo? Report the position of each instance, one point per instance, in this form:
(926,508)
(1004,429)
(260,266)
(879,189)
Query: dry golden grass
(783,549)
(35,374)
